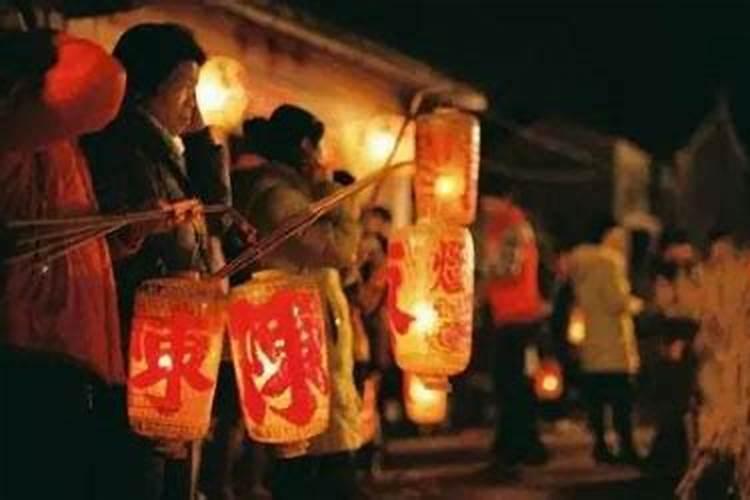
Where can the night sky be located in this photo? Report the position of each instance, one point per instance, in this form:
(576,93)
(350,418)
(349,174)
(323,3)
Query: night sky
(649,71)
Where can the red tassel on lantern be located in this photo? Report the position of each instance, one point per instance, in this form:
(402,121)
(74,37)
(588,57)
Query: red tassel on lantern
(278,344)
(430,298)
(175,350)
(445,183)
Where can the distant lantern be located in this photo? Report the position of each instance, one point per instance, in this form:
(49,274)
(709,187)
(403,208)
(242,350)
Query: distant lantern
(447,151)
(222,92)
(431,298)
(277,328)
(425,398)
(548,381)
(175,350)
(577,327)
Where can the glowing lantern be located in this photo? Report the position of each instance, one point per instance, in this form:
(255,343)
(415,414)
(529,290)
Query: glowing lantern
(577,327)
(430,298)
(221,92)
(277,330)
(425,398)
(175,350)
(548,381)
(380,144)
(447,166)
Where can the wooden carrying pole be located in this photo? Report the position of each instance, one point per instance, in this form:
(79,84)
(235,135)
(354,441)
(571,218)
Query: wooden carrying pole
(303,220)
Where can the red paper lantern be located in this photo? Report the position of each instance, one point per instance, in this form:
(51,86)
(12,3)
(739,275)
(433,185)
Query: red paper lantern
(175,350)
(431,298)
(447,143)
(548,381)
(277,329)
(425,398)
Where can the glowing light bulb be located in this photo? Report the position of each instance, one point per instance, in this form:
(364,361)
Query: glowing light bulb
(212,96)
(420,393)
(551,383)
(577,328)
(425,317)
(380,143)
(165,362)
(448,186)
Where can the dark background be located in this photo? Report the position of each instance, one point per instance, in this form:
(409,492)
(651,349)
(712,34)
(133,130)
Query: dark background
(647,70)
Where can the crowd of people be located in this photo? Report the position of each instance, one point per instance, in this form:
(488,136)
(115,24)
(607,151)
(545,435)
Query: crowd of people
(619,319)
(87,132)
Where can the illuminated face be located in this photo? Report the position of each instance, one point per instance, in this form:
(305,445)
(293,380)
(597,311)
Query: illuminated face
(175,103)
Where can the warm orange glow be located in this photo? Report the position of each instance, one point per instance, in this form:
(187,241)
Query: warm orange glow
(380,144)
(221,93)
(425,317)
(175,350)
(447,153)
(426,399)
(449,186)
(548,381)
(277,328)
(577,327)
(430,302)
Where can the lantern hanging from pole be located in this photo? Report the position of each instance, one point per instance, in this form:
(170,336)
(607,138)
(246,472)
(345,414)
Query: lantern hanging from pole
(175,350)
(447,152)
(548,381)
(425,398)
(277,329)
(430,298)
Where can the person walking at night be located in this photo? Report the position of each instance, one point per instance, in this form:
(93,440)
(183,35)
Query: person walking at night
(609,355)
(509,267)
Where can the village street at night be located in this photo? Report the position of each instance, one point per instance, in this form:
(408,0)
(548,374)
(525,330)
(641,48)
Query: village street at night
(453,466)
(374,250)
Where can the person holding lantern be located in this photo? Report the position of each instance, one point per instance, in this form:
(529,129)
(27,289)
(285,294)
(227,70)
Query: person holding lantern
(60,352)
(138,161)
(509,268)
(609,354)
(268,195)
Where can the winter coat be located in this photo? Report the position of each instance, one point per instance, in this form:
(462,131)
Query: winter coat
(603,294)
(510,264)
(269,195)
(343,429)
(69,306)
(135,163)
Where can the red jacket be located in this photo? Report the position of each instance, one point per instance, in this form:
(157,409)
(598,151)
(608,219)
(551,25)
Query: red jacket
(70,307)
(510,262)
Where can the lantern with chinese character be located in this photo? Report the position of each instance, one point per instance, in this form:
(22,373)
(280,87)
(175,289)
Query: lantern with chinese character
(548,381)
(447,144)
(277,330)
(430,298)
(175,349)
(425,398)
